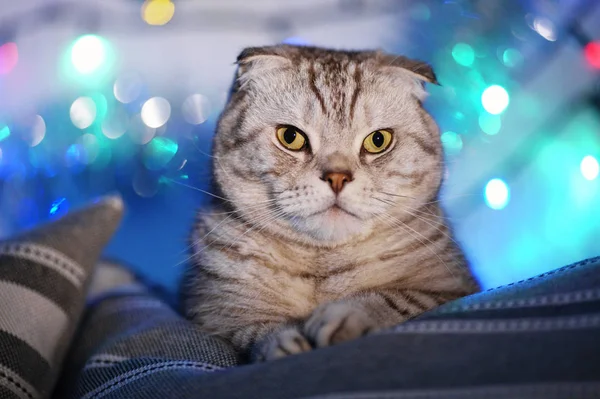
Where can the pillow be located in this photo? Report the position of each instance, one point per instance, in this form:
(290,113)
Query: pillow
(44,275)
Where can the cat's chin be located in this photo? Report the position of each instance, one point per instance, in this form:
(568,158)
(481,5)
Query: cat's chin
(332,227)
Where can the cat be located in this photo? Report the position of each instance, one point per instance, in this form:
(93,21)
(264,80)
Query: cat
(327,224)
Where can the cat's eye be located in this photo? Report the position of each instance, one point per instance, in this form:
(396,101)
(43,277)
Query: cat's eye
(377,141)
(291,137)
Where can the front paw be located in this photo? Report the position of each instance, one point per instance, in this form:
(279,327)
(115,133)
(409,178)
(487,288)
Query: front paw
(337,322)
(281,343)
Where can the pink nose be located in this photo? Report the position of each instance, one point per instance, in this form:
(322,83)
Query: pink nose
(337,180)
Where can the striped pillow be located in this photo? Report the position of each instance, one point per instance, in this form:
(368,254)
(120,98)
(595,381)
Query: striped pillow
(44,275)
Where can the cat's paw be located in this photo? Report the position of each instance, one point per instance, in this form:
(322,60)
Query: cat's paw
(281,343)
(337,322)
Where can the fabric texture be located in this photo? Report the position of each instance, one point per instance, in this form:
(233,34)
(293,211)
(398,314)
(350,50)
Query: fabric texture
(538,338)
(44,276)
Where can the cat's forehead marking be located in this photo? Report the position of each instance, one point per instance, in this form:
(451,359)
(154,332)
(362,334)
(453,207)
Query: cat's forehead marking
(335,82)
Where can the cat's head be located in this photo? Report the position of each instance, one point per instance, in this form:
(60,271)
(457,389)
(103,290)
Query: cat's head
(325,145)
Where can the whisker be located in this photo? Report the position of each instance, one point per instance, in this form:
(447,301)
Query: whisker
(396,195)
(415,234)
(217,196)
(255,209)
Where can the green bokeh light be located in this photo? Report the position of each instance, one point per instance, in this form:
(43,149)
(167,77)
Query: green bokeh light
(490,124)
(512,57)
(452,142)
(495,99)
(4,133)
(420,12)
(159,152)
(101,106)
(463,54)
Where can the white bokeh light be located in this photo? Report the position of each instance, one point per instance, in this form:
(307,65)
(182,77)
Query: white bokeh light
(497,194)
(156,112)
(545,28)
(589,167)
(88,54)
(138,132)
(128,87)
(83,112)
(115,125)
(495,99)
(35,131)
(196,109)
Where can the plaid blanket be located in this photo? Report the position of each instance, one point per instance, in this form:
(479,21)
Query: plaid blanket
(538,338)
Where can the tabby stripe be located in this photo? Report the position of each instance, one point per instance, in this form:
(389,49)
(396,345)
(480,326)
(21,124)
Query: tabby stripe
(216,276)
(21,359)
(357,90)
(313,86)
(439,297)
(41,279)
(411,299)
(390,302)
(436,236)
(427,147)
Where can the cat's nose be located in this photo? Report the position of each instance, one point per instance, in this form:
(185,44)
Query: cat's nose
(337,180)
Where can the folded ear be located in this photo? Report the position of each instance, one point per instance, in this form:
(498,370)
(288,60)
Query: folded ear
(421,70)
(266,57)
(255,62)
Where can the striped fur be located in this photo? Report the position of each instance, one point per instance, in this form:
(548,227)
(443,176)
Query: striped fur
(276,269)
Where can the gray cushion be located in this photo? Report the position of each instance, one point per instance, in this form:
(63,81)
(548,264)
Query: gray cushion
(44,275)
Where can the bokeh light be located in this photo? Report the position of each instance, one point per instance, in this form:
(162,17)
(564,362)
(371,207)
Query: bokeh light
(545,28)
(196,109)
(35,131)
(159,152)
(497,194)
(144,183)
(91,148)
(589,167)
(73,155)
(4,132)
(296,41)
(452,142)
(138,132)
(60,204)
(83,112)
(88,54)
(463,54)
(156,112)
(420,12)
(490,124)
(592,54)
(495,99)
(157,12)
(116,123)
(127,87)
(512,57)
(9,57)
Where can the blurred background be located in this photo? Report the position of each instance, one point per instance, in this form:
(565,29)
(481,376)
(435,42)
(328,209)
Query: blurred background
(101,96)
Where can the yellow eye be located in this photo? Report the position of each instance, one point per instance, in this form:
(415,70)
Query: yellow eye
(291,137)
(377,141)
